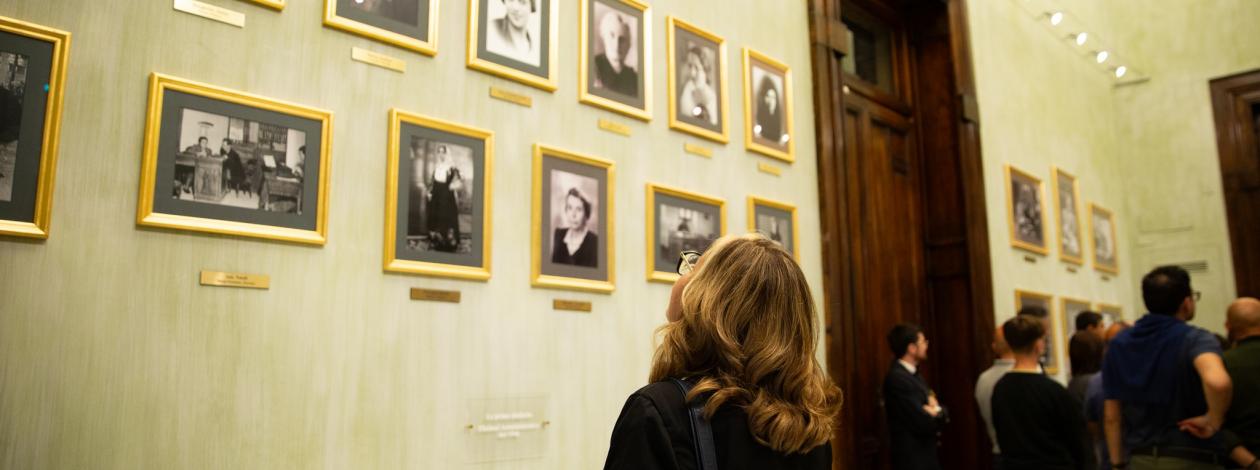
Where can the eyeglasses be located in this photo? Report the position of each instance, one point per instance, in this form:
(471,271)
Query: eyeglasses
(687,261)
(1197,295)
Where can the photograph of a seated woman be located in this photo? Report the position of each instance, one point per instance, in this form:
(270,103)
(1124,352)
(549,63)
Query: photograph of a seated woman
(575,243)
(697,94)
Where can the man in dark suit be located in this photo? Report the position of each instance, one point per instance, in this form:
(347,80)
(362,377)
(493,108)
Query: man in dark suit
(915,417)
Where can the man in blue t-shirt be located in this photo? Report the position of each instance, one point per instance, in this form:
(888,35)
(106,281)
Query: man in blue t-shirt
(1165,384)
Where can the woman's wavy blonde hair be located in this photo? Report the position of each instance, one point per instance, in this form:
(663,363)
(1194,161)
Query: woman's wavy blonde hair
(748,333)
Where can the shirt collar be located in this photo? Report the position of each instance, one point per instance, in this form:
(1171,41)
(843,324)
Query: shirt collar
(1003,362)
(913,370)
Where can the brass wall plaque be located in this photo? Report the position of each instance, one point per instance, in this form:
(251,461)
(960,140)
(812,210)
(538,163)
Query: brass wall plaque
(1071,269)
(378,59)
(571,305)
(222,279)
(770,169)
(206,10)
(698,150)
(614,127)
(1030,259)
(510,97)
(433,295)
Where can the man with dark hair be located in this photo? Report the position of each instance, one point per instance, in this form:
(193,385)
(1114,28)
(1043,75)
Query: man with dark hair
(1165,384)
(1242,422)
(914,415)
(1085,352)
(1038,312)
(1039,425)
(1091,322)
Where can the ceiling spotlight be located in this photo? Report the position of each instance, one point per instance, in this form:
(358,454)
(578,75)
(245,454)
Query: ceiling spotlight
(1081,38)
(1101,57)
(1121,70)
(1056,18)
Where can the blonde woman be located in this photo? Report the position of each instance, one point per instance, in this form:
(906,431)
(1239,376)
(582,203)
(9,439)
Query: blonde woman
(742,330)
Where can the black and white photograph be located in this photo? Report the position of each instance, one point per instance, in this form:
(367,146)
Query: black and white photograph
(697,76)
(1071,308)
(12,89)
(439,202)
(572,221)
(1049,359)
(1067,214)
(1103,228)
(1111,313)
(32,81)
(410,24)
(227,162)
(438,209)
(768,123)
(680,221)
(514,39)
(1025,211)
(776,220)
(237,162)
(614,73)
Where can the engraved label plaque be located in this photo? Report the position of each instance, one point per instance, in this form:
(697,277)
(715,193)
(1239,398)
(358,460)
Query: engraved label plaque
(433,295)
(378,59)
(699,150)
(512,428)
(614,127)
(769,169)
(571,305)
(248,281)
(206,10)
(511,97)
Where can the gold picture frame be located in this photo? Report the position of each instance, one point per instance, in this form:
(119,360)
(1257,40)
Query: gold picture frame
(146,215)
(674,122)
(751,142)
(392,262)
(552,29)
(1114,266)
(585,95)
(1011,207)
(653,190)
(277,5)
(1054,337)
(754,201)
(607,215)
(1058,176)
(1110,309)
(1069,321)
(334,19)
(38,225)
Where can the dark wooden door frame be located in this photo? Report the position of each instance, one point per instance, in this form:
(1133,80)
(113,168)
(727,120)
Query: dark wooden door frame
(960,256)
(1232,100)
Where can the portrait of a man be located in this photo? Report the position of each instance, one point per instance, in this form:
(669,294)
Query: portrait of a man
(615,70)
(616,52)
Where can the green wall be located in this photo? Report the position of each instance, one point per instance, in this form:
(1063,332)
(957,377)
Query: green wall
(111,355)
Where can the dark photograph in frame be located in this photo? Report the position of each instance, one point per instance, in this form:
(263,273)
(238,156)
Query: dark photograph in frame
(573,231)
(227,162)
(32,83)
(697,81)
(616,68)
(409,24)
(514,39)
(437,218)
(1068,215)
(678,221)
(1071,308)
(768,106)
(774,220)
(1025,211)
(1102,226)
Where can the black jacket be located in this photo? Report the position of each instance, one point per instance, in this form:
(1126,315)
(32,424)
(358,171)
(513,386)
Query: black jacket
(654,433)
(912,430)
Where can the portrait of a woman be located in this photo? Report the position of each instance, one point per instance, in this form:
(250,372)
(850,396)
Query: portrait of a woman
(509,35)
(697,96)
(769,117)
(442,205)
(575,244)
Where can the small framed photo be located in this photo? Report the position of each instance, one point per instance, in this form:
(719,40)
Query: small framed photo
(1025,211)
(697,81)
(1102,224)
(1071,308)
(228,162)
(1023,298)
(776,220)
(409,24)
(273,4)
(679,221)
(437,198)
(768,107)
(616,69)
(573,230)
(32,84)
(514,39)
(1111,313)
(1067,213)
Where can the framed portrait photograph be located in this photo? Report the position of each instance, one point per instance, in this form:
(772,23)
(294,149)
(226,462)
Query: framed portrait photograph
(1111,313)
(1102,224)
(1071,308)
(1068,215)
(697,81)
(616,57)
(679,221)
(409,24)
(1025,211)
(776,220)
(32,84)
(273,4)
(514,39)
(437,198)
(1023,298)
(572,228)
(768,107)
(228,162)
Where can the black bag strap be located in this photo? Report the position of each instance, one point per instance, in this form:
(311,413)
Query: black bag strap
(700,429)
